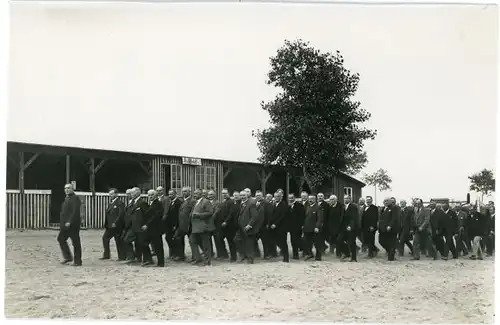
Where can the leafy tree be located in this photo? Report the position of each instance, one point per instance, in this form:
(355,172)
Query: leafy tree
(483,182)
(315,122)
(380,180)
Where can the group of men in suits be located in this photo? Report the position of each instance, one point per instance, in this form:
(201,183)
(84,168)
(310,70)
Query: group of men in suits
(234,225)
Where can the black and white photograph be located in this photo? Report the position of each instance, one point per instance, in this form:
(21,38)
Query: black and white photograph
(251,161)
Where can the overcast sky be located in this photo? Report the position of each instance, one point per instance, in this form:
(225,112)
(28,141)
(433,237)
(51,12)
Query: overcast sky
(188,79)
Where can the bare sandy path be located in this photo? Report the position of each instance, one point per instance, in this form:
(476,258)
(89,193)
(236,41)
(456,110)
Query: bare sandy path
(369,291)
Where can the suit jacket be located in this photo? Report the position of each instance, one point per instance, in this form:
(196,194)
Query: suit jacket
(369,218)
(405,221)
(70,212)
(360,213)
(135,214)
(262,209)
(438,221)
(153,216)
(185,215)
(351,217)
(202,217)
(477,225)
(268,213)
(222,212)
(336,217)
(313,218)
(278,216)
(165,202)
(389,218)
(421,218)
(232,222)
(296,216)
(172,219)
(114,214)
(462,219)
(326,213)
(450,225)
(248,215)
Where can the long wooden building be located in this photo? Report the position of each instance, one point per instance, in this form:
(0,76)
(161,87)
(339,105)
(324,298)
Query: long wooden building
(36,175)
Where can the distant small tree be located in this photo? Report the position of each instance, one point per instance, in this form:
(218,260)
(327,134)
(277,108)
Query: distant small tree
(482,182)
(380,180)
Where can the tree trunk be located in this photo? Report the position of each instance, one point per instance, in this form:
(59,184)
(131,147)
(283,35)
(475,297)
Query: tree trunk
(375,196)
(308,180)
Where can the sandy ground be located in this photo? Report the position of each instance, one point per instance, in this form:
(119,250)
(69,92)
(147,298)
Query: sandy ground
(368,291)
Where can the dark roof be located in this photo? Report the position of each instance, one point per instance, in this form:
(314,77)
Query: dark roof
(247,163)
(103,152)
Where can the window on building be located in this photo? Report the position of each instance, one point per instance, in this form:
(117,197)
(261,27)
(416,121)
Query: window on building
(176,178)
(348,191)
(205,178)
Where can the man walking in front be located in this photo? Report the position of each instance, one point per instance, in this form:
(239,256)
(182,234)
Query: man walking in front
(70,227)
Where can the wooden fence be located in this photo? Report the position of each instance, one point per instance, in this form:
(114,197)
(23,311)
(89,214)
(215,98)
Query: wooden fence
(28,211)
(93,208)
(32,210)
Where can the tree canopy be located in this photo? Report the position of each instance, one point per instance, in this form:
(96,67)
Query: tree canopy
(483,182)
(315,122)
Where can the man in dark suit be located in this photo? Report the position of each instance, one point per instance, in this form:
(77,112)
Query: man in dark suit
(134,220)
(490,238)
(349,229)
(221,213)
(361,207)
(277,226)
(462,240)
(313,222)
(477,226)
(266,208)
(230,224)
(334,224)
(420,226)
(323,234)
(202,225)
(449,227)
(369,222)
(113,225)
(406,217)
(296,217)
(249,223)
(183,228)
(213,201)
(388,227)
(171,222)
(69,227)
(152,226)
(437,216)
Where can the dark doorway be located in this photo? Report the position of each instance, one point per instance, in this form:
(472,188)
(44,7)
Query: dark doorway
(167,173)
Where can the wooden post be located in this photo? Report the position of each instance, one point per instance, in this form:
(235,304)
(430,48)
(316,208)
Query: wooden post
(92,176)
(21,172)
(287,184)
(263,177)
(68,162)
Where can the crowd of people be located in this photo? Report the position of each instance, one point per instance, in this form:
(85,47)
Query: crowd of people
(236,224)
